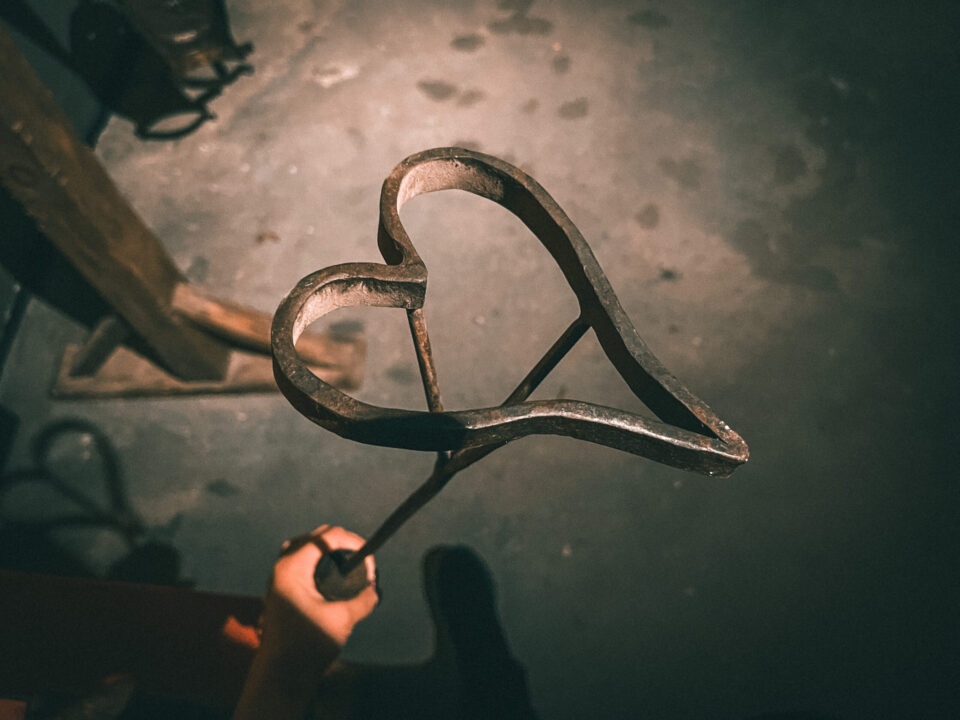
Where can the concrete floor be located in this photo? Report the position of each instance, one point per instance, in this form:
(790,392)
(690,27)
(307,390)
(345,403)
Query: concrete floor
(771,190)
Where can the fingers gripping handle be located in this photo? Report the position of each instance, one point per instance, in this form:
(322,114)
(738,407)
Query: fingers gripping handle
(335,584)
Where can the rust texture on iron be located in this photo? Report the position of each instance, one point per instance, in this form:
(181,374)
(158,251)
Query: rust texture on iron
(689,435)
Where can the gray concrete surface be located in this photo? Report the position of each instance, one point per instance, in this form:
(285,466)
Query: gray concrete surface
(771,190)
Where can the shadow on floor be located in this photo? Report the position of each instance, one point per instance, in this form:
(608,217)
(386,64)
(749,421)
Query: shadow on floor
(472,673)
(75,482)
(157,65)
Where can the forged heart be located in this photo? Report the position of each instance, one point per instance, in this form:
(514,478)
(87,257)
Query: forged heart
(690,436)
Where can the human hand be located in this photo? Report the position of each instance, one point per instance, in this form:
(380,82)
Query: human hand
(299,624)
(303,632)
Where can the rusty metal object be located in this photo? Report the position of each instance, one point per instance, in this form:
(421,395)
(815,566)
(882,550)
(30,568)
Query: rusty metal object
(189,34)
(158,63)
(192,39)
(690,436)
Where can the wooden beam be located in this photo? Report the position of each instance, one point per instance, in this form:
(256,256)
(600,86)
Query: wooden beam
(62,185)
(248,328)
(126,374)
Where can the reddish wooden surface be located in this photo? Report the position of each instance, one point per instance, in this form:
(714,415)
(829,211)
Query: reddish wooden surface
(12,710)
(65,634)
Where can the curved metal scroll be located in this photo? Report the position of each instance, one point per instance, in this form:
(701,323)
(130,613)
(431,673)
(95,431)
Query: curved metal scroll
(690,435)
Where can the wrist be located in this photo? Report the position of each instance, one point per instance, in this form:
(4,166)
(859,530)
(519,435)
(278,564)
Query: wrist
(278,687)
(292,661)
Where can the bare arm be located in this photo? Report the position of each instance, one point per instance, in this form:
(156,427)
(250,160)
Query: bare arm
(303,632)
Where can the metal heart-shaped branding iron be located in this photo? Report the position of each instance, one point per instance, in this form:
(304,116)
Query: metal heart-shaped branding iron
(690,435)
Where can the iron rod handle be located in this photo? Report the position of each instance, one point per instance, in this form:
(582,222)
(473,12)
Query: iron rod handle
(449,464)
(335,580)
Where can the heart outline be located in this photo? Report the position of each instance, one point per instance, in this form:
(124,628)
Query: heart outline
(689,434)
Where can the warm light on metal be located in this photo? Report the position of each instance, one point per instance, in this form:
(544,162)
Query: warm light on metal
(690,436)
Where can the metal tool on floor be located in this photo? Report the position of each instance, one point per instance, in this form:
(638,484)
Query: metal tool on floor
(690,436)
(192,39)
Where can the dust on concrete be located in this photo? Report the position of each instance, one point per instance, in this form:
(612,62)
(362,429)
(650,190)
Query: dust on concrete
(222,488)
(652,19)
(468,43)
(530,106)
(266,236)
(345,330)
(772,258)
(574,109)
(648,217)
(470,97)
(402,374)
(687,172)
(520,21)
(789,164)
(438,90)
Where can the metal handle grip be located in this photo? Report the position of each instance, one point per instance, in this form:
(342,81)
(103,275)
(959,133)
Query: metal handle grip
(335,580)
